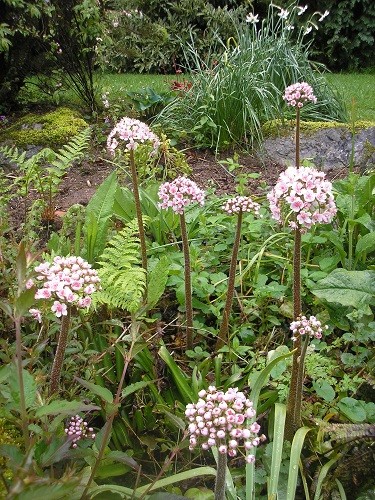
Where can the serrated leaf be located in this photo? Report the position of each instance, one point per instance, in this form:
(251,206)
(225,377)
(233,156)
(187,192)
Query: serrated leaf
(348,288)
(102,392)
(157,282)
(135,387)
(64,407)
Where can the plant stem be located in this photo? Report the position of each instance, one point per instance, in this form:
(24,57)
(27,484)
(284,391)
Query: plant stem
(297,136)
(295,393)
(188,290)
(138,210)
(224,327)
(25,432)
(113,413)
(60,352)
(300,378)
(220,476)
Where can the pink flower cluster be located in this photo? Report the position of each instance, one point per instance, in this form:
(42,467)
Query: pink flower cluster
(298,94)
(77,429)
(67,281)
(131,133)
(219,419)
(311,327)
(179,193)
(241,204)
(306,193)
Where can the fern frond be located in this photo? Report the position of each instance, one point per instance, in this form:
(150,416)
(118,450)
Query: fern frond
(123,280)
(73,150)
(12,154)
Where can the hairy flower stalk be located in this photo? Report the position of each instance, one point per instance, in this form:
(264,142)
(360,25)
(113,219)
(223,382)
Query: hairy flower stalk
(303,197)
(177,195)
(67,283)
(220,419)
(131,133)
(297,95)
(237,205)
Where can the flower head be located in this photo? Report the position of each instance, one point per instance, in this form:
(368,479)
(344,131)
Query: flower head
(250,18)
(66,281)
(220,419)
(324,15)
(304,195)
(180,193)
(131,132)
(311,327)
(301,9)
(283,14)
(298,94)
(77,429)
(241,204)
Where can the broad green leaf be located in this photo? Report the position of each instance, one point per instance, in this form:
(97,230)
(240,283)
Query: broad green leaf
(348,288)
(24,302)
(64,407)
(366,243)
(176,478)
(29,386)
(352,409)
(102,201)
(102,392)
(324,390)
(57,450)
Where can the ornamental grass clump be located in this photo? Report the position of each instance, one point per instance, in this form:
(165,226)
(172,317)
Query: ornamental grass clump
(67,284)
(221,419)
(177,195)
(129,133)
(234,206)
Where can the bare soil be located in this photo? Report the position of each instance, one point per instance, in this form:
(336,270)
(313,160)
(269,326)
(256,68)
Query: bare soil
(82,180)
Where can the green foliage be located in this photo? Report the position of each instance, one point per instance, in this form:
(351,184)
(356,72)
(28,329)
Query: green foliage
(229,101)
(53,129)
(123,281)
(44,171)
(150,38)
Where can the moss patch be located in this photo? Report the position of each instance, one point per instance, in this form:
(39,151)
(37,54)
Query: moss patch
(274,128)
(55,128)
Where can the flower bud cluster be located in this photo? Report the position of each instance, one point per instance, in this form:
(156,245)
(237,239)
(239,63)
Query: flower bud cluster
(131,133)
(298,94)
(220,419)
(67,281)
(311,327)
(306,193)
(241,204)
(180,193)
(77,429)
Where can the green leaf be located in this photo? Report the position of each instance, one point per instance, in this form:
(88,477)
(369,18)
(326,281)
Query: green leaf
(176,478)
(157,281)
(135,387)
(277,449)
(178,375)
(295,457)
(64,407)
(23,303)
(102,392)
(366,244)
(29,386)
(57,450)
(324,390)
(348,288)
(352,409)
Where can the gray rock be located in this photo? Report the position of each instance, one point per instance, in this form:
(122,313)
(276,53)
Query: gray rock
(327,148)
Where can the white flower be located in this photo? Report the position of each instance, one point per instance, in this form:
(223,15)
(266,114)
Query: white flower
(307,30)
(283,14)
(250,18)
(323,16)
(301,9)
